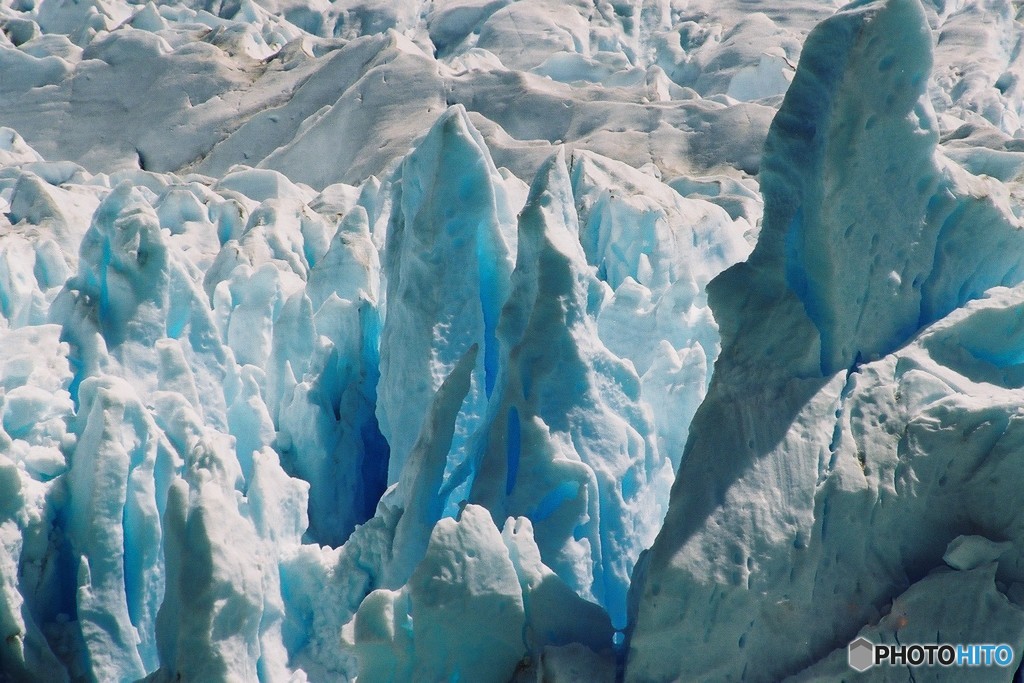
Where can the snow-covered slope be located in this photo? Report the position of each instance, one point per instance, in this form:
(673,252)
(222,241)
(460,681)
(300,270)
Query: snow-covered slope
(362,339)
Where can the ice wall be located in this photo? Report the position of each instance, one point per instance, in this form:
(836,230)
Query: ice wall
(849,431)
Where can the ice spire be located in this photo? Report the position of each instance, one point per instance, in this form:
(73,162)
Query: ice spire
(448,259)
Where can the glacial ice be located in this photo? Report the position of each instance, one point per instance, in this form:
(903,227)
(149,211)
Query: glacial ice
(858,399)
(361,340)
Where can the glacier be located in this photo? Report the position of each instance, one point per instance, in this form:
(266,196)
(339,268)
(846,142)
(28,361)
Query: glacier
(868,445)
(479,340)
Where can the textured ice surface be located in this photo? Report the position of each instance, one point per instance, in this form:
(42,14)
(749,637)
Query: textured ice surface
(862,414)
(362,339)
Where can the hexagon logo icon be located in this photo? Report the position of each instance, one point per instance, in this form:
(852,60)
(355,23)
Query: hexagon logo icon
(861,654)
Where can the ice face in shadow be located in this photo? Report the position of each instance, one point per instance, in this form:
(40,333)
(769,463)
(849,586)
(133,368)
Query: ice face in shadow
(823,477)
(326,422)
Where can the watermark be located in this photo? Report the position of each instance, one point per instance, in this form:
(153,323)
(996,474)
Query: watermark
(863,654)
